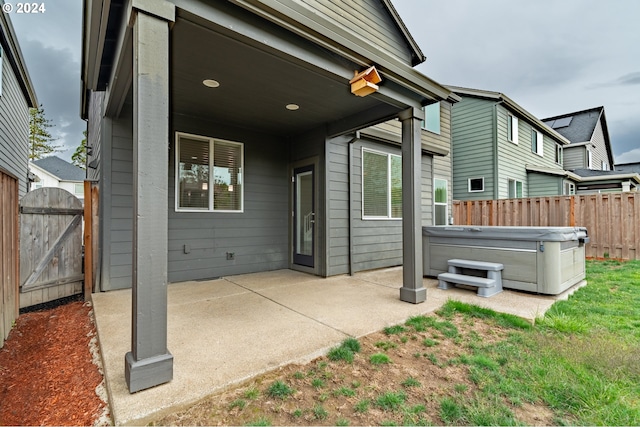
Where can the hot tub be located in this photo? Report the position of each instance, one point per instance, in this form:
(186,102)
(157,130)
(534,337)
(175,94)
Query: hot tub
(545,260)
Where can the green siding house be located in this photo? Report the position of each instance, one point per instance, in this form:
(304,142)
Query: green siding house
(500,150)
(231,137)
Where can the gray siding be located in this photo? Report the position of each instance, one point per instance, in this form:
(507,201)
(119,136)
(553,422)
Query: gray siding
(472,147)
(574,157)
(376,243)
(116,202)
(14,126)
(600,149)
(541,185)
(258,236)
(94,134)
(367,20)
(513,158)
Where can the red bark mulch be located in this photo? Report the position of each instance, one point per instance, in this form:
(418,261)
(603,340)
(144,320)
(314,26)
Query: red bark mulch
(47,376)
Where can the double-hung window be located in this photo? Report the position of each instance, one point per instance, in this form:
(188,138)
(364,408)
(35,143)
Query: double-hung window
(209,174)
(381,185)
(432,118)
(512,128)
(537,142)
(559,154)
(515,189)
(440,201)
(589,159)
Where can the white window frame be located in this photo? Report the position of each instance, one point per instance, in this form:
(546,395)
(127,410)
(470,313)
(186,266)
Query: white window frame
(572,188)
(389,156)
(559,154)
(515,188)
(512,128)
(429,110)
(211,142)
(604,165)
(445,204)
(539,139)
(469,185)
(589,159)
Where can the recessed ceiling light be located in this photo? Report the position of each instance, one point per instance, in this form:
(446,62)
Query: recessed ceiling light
(211,83)
(292,107)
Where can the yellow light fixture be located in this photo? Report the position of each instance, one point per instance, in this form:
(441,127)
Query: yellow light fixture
(211,83)
(365,82)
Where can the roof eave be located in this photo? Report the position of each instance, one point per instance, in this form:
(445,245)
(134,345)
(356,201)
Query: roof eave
(500,97)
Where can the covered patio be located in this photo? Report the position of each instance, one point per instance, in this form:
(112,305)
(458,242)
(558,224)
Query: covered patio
(228,330)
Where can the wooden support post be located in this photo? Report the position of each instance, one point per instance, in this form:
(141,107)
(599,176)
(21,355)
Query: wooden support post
(149,363)
(412,289)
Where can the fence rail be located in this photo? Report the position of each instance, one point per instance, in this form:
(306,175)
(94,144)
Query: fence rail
(612,219)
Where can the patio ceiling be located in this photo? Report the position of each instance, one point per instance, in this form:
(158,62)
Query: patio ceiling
(256,85)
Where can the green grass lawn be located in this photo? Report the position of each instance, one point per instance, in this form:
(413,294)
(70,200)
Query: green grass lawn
(578,365)
(582,358)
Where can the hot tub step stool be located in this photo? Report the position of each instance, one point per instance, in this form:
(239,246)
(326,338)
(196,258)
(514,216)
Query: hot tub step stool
(487,286)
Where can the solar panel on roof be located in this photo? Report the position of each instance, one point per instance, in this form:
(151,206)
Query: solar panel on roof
(561,123)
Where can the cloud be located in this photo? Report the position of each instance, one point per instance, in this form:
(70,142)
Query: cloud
(629,79)
(632,156)
(55,74)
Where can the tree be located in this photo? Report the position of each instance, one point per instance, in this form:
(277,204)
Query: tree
(40,140)
(79,157)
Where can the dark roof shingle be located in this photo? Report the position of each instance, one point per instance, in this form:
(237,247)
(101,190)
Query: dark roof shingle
(581,126)
(62,169)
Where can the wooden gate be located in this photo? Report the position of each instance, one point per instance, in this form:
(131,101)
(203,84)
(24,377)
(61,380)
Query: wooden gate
(8,253)
(50,246)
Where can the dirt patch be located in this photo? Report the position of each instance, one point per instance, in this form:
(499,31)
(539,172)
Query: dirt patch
(48,375)
(425,368)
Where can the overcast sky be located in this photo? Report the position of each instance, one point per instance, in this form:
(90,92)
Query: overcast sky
(550,56)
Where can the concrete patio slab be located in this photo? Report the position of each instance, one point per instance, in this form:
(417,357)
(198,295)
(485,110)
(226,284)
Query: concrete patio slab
(222,332)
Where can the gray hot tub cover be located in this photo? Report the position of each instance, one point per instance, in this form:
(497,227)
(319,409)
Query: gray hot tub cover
(538,234)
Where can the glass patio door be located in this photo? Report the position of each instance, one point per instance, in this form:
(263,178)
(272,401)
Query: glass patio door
(303,216)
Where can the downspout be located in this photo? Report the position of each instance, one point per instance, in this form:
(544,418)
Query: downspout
(349,207)
(496,183)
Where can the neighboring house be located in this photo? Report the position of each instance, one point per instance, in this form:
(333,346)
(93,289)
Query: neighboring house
(596,181)
(55,172)
(261,161)
(16,97)
(500,150)
(587,131)
(589,156)
(628,167)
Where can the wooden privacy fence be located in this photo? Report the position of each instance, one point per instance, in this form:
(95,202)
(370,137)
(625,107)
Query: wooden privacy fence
(9,252)
(50,246)
(612,219)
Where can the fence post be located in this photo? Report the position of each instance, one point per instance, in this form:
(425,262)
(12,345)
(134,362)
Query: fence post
(88,241)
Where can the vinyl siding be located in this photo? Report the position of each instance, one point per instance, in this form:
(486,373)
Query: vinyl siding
(574,157)
(258,236)
(14,126)
(366,20)
(541,185)
(600,149)
(376,243)
(94,133)
(472,147)
(513,158)
(116,204)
